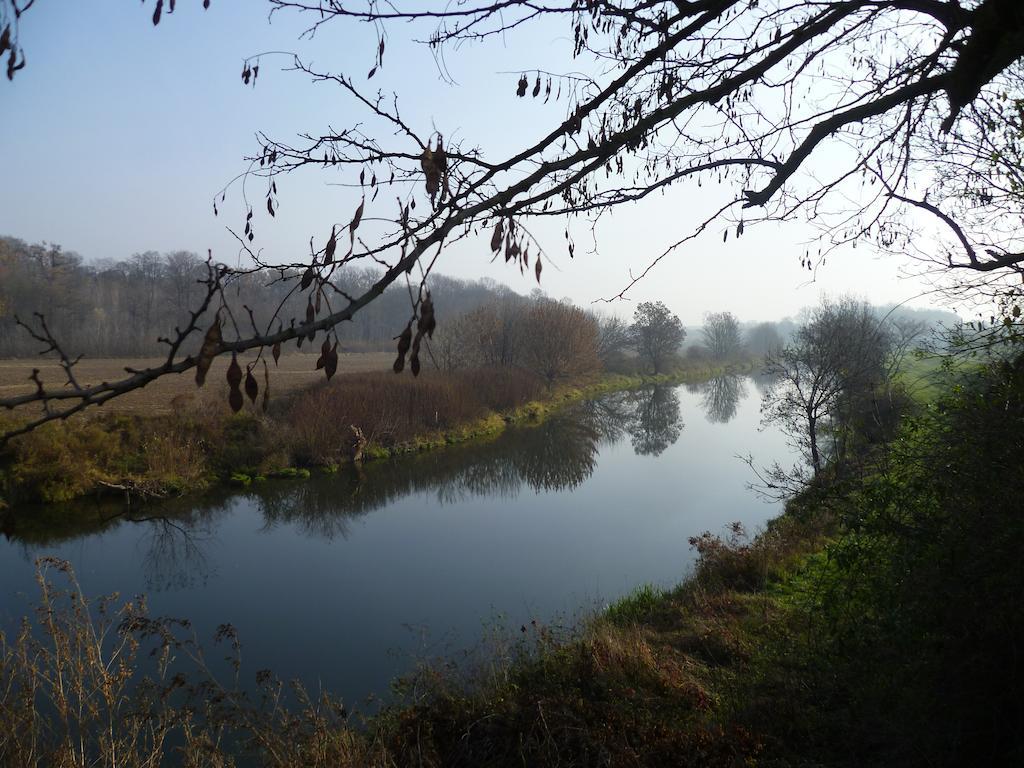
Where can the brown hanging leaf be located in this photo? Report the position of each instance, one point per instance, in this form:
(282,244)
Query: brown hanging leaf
(356,218)
(270,206)
(157,11)
(536,88)
(276,351)
(537,268)
(440,158)
(235,399)
(234,375)
(307,278)
(404,342)
(497,237)
(331,363)
(325,349)
(332,246)
(428,163)
(211,345)
(252,389)
(427,323)
(521,88)
(414,359)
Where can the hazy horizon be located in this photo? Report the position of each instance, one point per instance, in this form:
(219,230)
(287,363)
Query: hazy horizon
(174,122)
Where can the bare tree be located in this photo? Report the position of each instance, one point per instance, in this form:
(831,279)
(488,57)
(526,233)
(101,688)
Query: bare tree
(613,339)
(750,94)
(763,339)
(722,336)
(836,360)
(657,334)
(560,341)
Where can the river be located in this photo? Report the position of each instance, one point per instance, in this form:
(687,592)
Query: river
(344,581)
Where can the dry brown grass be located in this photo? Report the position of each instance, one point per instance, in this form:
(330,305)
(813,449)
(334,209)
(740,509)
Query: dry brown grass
(390,410)
(295,371)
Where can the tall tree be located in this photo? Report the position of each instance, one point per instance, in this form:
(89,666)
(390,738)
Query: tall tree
(827,374)
(657,334)
(722,336)
(763,339)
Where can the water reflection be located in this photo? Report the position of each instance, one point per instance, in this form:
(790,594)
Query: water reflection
(174,557)
(720,397)
(558,455)
(657,421)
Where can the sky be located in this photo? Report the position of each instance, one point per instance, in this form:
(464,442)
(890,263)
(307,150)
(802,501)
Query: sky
(117,135)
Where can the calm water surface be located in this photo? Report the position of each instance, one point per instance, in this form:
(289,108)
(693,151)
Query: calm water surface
(344,580)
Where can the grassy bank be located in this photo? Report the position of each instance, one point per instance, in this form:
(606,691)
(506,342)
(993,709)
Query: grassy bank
(201,443)
(875,622)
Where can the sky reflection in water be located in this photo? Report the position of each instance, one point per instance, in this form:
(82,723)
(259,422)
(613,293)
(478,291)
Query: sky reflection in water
(342,580)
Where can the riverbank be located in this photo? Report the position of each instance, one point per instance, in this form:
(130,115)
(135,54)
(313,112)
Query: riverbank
(875,622)
(374,415)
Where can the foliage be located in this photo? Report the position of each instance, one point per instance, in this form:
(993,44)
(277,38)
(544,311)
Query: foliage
(657,334)
(916,610)
(833,371)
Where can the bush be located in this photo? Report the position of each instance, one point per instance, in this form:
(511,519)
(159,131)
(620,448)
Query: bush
(390,410)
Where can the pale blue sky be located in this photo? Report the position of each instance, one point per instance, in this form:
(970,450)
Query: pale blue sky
(117,134)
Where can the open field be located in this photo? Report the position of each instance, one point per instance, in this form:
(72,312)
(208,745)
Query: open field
(295,371)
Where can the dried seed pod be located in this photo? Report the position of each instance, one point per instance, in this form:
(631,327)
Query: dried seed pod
(332,246)
(307,278)
(405,340)
(325,348)
(235,399)
(356,218)
(331,362)
(440,158)
(427,323)
(276,351)
(497,237)
(252,389)
(234,375)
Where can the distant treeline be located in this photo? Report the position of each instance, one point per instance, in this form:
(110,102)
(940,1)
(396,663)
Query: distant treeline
(108,308)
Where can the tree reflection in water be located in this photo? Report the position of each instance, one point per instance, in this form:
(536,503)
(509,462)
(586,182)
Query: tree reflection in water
(557,455)
(720,396)
(657,421)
